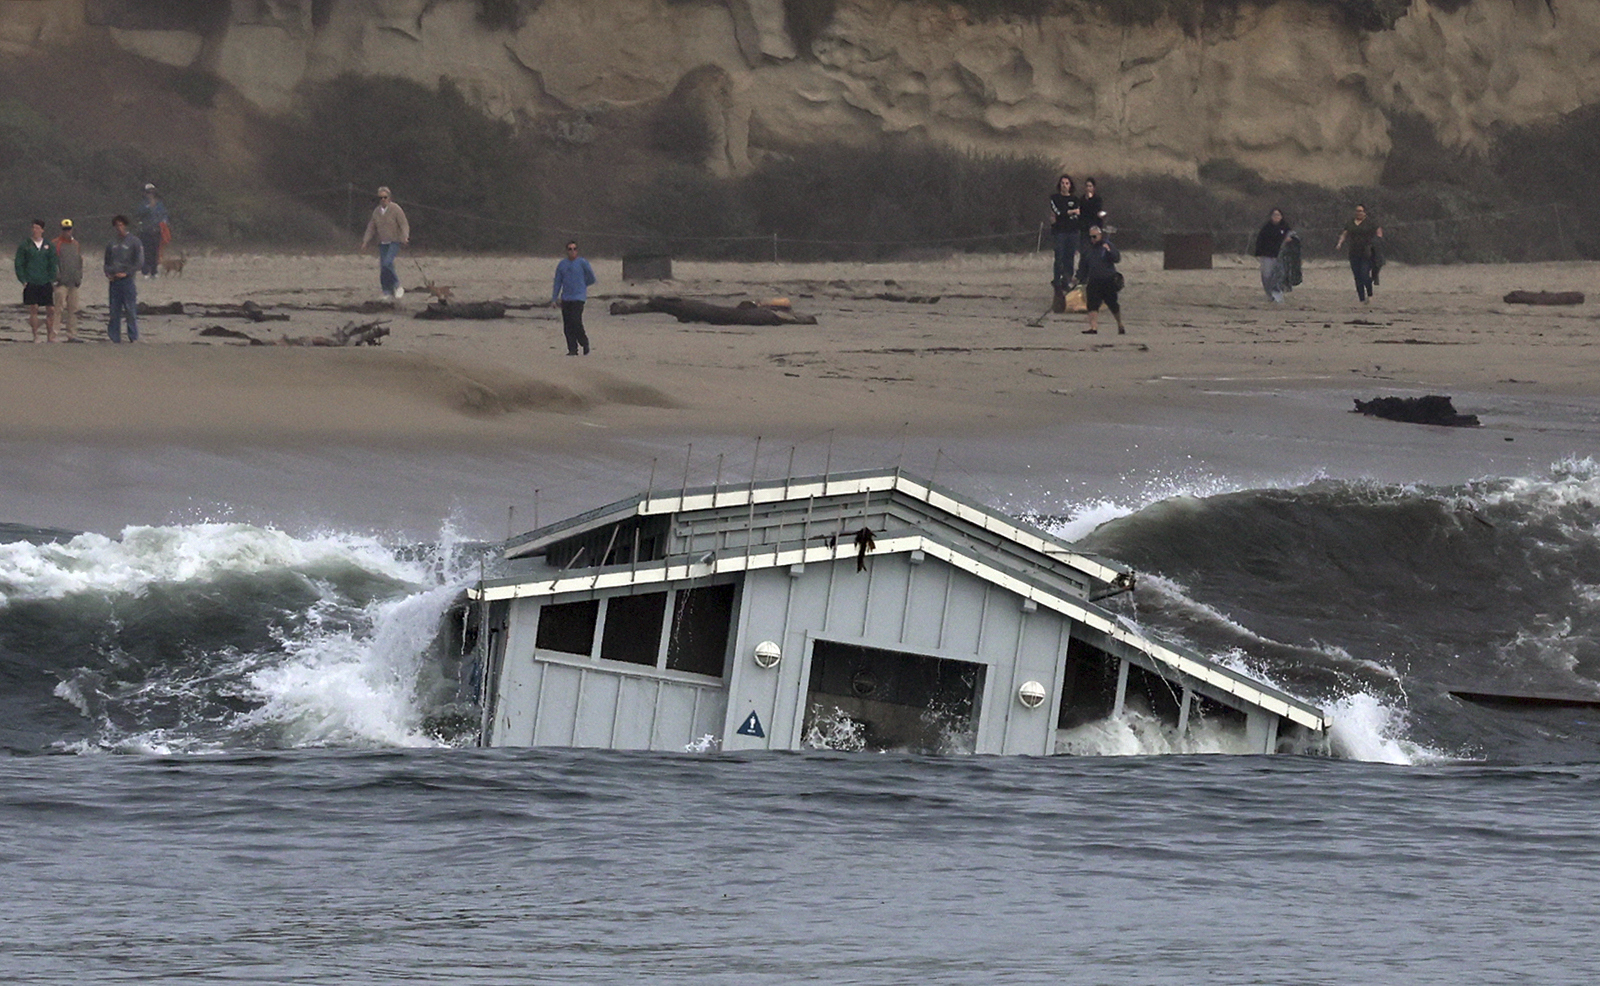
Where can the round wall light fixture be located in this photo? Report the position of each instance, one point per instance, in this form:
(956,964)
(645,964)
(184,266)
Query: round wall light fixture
(1031,694)
(768,654)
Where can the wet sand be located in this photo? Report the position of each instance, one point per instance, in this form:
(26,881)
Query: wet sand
(447,417)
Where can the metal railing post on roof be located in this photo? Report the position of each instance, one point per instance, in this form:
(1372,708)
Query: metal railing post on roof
(827,463)
(750,520)
(650,487)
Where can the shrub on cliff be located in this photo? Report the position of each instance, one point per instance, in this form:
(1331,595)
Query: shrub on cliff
(460,174)
(53,171)
(505,15)
(834,201)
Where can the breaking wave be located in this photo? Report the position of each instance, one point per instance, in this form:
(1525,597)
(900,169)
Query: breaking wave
(214,637)
(1375,601)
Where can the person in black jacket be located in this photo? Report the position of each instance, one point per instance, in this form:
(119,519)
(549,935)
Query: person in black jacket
(1269,244)
(1363,235)
(1093,210)
(1065,210)
(1101,281)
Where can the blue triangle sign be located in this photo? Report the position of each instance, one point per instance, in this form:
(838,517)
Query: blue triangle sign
(751,727)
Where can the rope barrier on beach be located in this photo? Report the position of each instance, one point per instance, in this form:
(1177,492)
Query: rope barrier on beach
(776,240)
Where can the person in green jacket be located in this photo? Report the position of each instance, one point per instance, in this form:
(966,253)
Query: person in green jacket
(37,266)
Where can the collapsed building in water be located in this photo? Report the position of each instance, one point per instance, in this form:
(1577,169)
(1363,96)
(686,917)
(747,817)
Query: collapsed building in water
(861,611)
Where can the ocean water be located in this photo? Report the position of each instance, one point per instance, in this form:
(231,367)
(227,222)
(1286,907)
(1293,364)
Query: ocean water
(236,754)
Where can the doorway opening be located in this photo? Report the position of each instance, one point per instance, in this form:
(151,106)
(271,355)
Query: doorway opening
(864,698)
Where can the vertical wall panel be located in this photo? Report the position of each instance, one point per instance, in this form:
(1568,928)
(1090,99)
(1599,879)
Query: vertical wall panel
(636,700)
(964,616)
(925,616)
(597,711)
(886,604)
(751,688)
(849,604)
(519,686)
(558,705)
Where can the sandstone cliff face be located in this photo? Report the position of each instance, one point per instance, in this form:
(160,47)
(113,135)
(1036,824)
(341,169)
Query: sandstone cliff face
(1285,89)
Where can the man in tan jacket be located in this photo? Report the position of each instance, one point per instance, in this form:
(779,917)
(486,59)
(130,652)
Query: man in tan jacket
(389,227)
(69,278)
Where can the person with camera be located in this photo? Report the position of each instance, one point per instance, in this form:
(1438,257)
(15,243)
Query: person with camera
(1101,280)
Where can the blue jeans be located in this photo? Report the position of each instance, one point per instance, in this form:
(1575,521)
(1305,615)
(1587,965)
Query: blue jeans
(152,252)
(1066,257)
(124,301)
(1361,267)
(387,278)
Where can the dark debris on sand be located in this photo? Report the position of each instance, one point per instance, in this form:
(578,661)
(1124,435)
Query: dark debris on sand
(1433,409)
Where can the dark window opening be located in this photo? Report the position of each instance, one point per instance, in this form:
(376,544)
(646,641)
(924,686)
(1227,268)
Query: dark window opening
(701,619)
(863,698)
(1209,710)
(633,628)
(568,627)
(1089,691)
(1149,692)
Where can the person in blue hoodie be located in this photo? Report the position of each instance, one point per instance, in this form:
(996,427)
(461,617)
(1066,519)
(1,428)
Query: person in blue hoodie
(124,260)
(1101,280)
(571,290)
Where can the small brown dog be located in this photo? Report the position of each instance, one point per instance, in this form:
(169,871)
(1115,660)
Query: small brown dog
(173,266)
(440,292)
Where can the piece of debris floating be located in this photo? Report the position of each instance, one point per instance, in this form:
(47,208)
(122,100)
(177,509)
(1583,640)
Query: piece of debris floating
(1508,701)
(463,309)
(868,611)
(1430,410)
(1544,298)
(688,310)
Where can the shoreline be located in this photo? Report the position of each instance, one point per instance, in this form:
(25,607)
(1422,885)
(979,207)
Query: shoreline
(1212,380)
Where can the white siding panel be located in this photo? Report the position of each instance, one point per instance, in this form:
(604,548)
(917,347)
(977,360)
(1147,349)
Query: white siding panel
(558,705)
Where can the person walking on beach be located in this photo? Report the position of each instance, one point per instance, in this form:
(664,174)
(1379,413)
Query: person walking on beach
(36,265)
(571,290)
(124,259)
(1269,247)
(1065,211)
(154,231)
(69,278)
(389,227)
(1101,280)
(1363,235)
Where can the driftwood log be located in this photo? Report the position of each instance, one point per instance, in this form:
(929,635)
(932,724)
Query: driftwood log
(689,310)
(463,309)
(1430,410)
(219,332)
(1544,298)
(254,313)
(351,334)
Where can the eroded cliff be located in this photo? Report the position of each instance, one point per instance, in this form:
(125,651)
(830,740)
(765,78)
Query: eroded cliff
(1289,89)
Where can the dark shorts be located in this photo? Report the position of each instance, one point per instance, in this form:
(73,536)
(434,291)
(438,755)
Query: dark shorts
(43,295)
(1099,291)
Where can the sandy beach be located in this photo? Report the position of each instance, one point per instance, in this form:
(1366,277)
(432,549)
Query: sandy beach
(1229,380)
